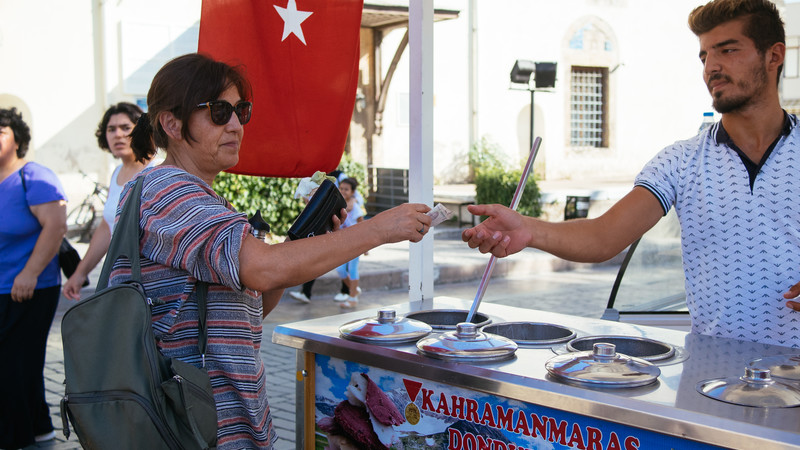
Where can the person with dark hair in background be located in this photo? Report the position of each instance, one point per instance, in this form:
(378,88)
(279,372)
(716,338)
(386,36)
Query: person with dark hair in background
(348,272)
(197,110)
(34,223)
(113,135)
(344,290)
(734,187)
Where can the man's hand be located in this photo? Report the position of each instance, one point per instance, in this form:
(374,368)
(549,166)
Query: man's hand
(793,293)
(502,234)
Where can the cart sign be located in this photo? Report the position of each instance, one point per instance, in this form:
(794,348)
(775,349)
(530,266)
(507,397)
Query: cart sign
(359,406)
(301,57)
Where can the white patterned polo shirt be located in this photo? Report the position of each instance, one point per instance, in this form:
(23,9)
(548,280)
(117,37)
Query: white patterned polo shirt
(740,231)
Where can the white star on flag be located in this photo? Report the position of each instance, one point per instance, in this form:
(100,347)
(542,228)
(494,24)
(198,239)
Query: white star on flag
(292,18)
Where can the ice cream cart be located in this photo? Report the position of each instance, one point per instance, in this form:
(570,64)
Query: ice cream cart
(403,395)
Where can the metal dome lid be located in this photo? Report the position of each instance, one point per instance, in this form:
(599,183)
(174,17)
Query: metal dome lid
(466,343)
(755,388)
(602,367)
(386,328)
(786,367)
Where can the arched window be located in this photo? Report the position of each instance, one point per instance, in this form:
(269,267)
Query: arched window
(590,52)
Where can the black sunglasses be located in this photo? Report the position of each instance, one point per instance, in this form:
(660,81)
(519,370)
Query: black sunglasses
(221,111)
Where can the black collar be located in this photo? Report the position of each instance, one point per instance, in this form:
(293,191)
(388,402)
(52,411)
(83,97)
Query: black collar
(753,168)
(722,136)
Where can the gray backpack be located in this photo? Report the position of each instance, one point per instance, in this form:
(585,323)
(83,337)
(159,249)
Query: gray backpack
(120,391)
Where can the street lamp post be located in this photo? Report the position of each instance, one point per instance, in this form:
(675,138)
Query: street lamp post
(543,74)
(530,141)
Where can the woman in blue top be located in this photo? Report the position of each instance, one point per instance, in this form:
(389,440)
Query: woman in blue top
(34,220)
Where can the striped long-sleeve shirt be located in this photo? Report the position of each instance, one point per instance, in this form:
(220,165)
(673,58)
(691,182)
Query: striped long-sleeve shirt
(188,233)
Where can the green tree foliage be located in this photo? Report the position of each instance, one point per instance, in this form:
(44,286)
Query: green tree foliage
(485,154)
(496,183)
(273,196)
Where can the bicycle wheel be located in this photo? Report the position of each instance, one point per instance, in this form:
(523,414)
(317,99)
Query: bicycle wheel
(101,192)
(80,221)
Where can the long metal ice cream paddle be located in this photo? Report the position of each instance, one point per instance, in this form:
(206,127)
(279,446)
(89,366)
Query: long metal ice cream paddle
(487,274)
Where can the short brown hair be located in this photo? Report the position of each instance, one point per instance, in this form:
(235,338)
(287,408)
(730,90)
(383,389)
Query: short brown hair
(763,24)
(179,87)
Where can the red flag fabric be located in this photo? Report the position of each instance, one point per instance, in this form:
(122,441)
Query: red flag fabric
(301,57)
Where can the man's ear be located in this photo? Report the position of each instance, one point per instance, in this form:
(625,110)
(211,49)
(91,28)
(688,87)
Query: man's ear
(776,54)
(171,125)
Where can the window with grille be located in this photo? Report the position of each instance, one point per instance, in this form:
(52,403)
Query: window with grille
(588,107)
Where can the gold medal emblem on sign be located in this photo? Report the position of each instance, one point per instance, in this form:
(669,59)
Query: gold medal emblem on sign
(412,414)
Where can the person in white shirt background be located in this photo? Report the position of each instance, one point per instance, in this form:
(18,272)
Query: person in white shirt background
(113,135)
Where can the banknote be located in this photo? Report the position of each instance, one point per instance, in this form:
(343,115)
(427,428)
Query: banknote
(439,214)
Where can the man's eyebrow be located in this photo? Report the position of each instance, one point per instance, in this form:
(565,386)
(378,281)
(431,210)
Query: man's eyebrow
(724,43)
(718,45)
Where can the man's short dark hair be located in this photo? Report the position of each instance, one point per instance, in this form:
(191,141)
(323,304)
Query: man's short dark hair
(22,134)
(763,24)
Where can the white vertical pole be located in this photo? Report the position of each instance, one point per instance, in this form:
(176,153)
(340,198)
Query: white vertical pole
(472,62)
(420,152)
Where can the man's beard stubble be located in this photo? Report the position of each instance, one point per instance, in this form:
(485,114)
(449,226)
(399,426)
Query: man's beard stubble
(752,88)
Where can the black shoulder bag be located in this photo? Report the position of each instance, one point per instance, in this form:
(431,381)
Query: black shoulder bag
(121,392)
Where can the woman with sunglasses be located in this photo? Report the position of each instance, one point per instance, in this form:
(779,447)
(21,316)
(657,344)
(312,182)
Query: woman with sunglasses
(197,108)
(113,135)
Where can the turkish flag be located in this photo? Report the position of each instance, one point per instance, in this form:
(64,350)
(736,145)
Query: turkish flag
(301,57)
